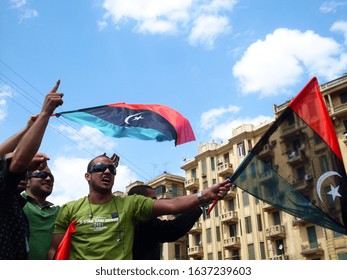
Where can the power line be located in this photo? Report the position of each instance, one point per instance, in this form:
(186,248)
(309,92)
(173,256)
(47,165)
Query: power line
(37,103)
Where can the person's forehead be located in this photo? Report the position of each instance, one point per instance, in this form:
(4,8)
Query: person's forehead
(46,169)
(102,160)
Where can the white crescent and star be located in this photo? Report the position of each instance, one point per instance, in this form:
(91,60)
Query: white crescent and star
(134,117)
(334,191)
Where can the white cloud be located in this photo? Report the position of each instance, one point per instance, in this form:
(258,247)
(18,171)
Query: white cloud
(212,117)
(206,29)
(332,6)
(223,131)
(102,24)
(5,91)
(340,26)
(70,183)
(169,17)
(270,66)
(28,14)
(25,13)
(88,138)
(221,121)
(17,3)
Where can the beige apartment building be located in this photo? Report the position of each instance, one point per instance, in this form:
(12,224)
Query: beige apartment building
(242,227)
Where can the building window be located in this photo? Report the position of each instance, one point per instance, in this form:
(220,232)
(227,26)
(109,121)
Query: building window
(174,191)
(262,250)
(245,198)
(218,233)
(208,235)
(194,173)
(197,240)
(160,190)
(231,205)
(213,164)
(226,158)
(235,255)
(345,126)
(248,224)
(241,149)
(203,168)
(279,247)
(290,119)
(204,212)
(343,97)
(300,172)
(233,230)
(323,163)
(251,255)
(216,210)
(276,218)
(342,256)
(312,237)
(250,146)
(219,255)
(260,225)
(177,252)
(210,256)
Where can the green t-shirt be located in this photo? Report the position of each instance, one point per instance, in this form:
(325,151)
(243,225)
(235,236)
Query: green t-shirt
(41,224)
(103,231)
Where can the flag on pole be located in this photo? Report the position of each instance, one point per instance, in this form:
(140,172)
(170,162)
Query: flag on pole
(297,164)
(140,121)
(63,251)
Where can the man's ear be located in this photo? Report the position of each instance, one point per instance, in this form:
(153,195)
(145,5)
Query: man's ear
(87,176)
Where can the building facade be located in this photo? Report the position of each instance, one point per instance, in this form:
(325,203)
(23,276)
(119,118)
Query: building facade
(243,227)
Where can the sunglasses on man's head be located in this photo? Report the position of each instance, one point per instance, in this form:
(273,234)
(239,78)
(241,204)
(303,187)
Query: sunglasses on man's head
(41,175)
(101,167)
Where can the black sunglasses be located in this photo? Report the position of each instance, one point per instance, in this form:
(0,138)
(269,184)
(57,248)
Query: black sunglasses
(101,167)
(41,175)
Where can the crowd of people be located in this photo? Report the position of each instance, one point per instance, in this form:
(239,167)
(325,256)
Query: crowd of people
(107,227)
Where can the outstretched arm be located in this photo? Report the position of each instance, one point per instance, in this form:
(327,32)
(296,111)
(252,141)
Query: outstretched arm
(184,203)
(31,141)
(11,143)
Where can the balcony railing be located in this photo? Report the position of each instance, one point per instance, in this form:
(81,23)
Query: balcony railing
(191,184)
(232,243)
(274,232)
(311,249)
(225,169)
(229,217)
(195,251)
(197,228)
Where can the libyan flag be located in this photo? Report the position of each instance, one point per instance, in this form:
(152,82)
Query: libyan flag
(297,164)
(139,121)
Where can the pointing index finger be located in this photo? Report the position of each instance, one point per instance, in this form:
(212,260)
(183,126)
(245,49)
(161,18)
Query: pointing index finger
(55,88)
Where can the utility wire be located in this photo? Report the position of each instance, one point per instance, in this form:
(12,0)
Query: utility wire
(38,104)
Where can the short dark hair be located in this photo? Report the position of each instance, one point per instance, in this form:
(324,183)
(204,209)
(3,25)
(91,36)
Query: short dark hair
(140,189)
(90,164)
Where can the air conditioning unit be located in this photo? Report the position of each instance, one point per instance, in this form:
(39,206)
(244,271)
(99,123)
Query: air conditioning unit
(220,161)
(308,177)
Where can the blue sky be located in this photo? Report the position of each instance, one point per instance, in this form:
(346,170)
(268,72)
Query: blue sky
(220,63)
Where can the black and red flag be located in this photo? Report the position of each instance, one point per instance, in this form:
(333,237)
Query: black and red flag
(297,164)
(140,121)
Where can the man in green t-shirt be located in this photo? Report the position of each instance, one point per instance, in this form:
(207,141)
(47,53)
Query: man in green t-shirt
(40,212)
(105,223)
